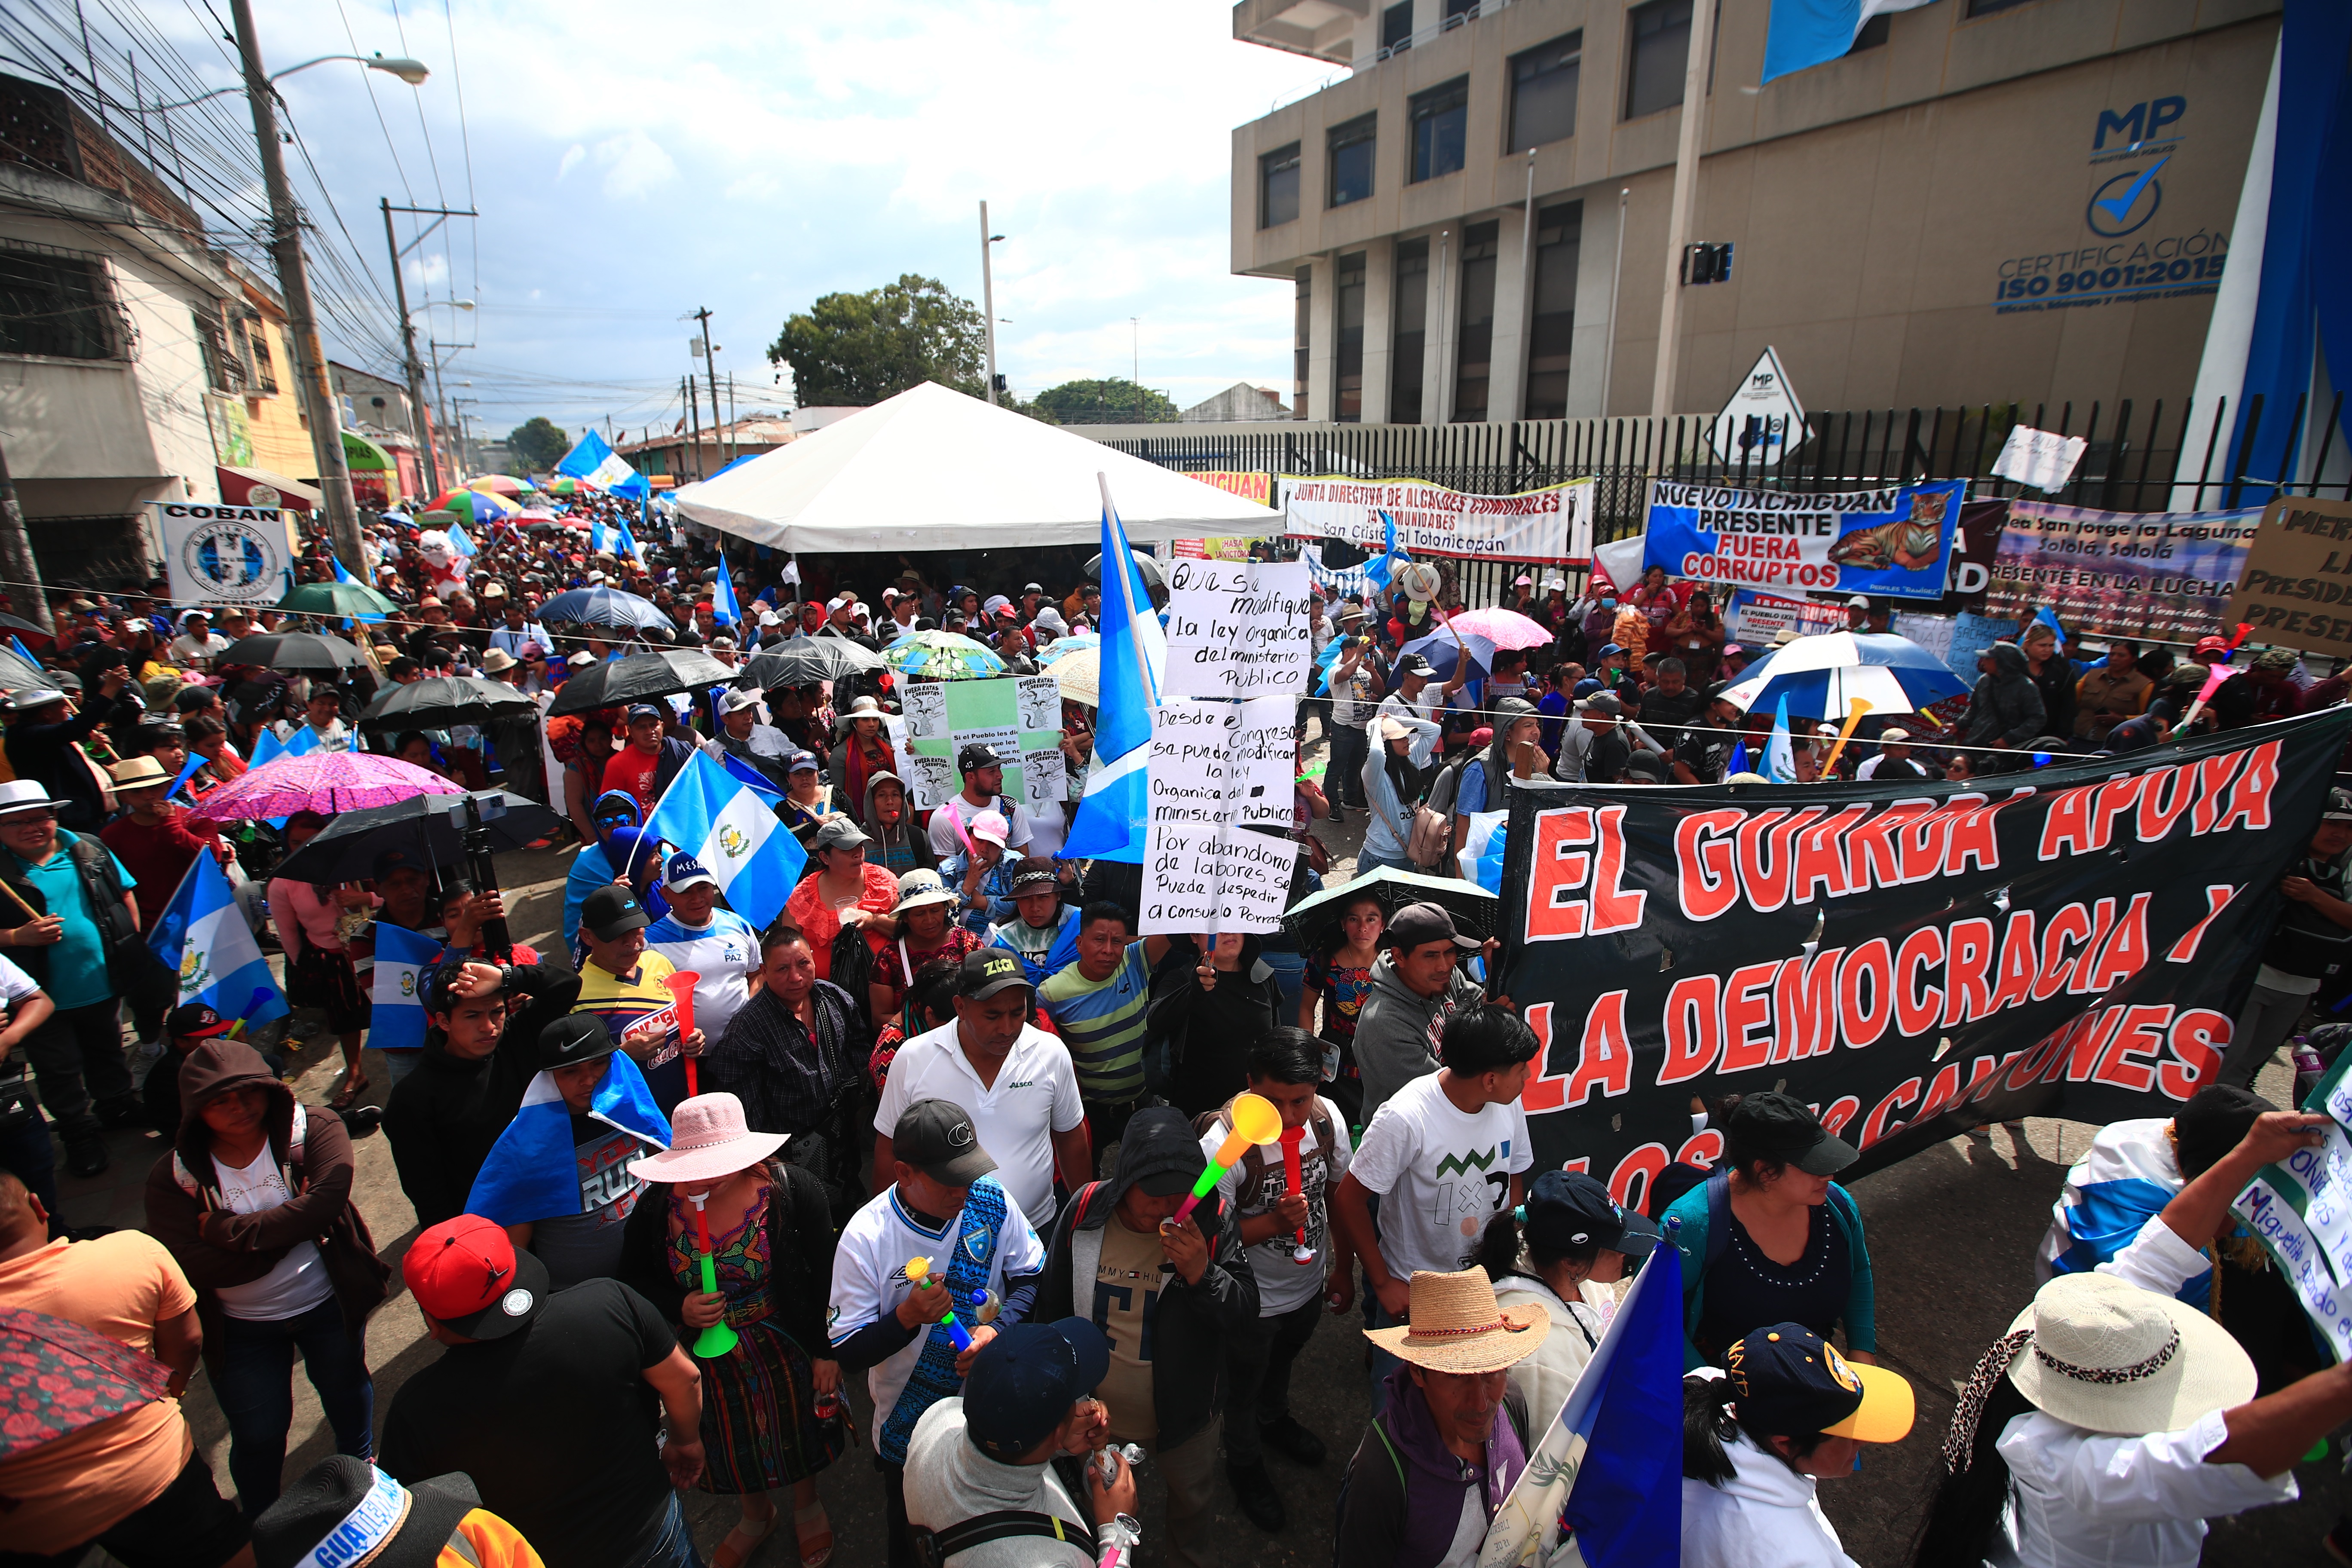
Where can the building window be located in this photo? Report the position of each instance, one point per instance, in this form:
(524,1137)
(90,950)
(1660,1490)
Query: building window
(1277,186)
(1543,93)
(264,373)
(1409,331)
(1657,56)
(1475,358)
(224,366)
(1873,34)
(1440,121)
(1347,340)
(1457,12)
(1987,7)
(1558,231)
(1302,319)
(1396,28)
(56,305)
(1350,150)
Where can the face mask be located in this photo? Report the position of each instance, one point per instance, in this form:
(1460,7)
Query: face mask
(1608,604)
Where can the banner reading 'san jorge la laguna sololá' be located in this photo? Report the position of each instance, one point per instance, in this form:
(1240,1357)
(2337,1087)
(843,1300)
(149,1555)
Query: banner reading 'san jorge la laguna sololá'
(1910,959)
(1896,540)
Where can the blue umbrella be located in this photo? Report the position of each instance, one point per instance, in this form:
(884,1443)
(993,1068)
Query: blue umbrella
(1439,648)
(1822,675)
(604,607)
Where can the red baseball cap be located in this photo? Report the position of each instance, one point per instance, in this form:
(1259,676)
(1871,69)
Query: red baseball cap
(467,1276)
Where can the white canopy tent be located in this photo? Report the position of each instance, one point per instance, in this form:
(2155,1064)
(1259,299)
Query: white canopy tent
(934,469)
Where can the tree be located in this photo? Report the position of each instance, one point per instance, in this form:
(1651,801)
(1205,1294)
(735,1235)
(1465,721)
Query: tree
(537,444)
(850,350)
(1114,402)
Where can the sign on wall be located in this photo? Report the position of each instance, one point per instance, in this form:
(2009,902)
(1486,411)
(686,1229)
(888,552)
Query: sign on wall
(1549,525)
(2166,575)
(225,554)
(1896,540)
(2066,943)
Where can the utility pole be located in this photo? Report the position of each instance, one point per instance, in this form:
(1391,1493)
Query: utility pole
(694,428)
(988,299)
(408,331)
(1688,148)
(16,553)
(711,368)
(301,316)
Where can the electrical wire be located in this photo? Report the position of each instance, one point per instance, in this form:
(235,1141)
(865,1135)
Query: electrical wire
(367,78)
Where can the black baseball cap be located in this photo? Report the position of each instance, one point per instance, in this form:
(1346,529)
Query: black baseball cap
(392,860)
(936,1136)
(1416,924)
(976,755)
(1413,664)
(1568,1210)
(1791,1382)
(612,912)
(1024,1382)
(1782,1127)
(194,1021)
(574,1039)
(988,972)
(2216,1119)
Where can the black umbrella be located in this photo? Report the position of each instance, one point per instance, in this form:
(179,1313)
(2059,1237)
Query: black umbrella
(440,701)
(805,661)
(345,849)
(16,675)
(639,677)
(1473,909)
(23,627)
(292,650)
(604,606)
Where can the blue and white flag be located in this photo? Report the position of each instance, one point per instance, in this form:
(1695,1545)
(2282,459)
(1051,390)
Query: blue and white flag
(196,760)
(1740,763)
(1481,856)
(754,779)
(731,828)
(628,539)
(1113,814)
(342,574)
(1803,34)
(593,460)
(530,1174)
(1609,1469)
(266,747)
(2123,1181)
(1379,573)
(723,607)
(2046,616)
(397,1020)
(1780,751)
(202,936)
(459,541)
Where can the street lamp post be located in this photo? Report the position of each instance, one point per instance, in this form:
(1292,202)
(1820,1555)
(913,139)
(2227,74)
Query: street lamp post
(988,298)
(301,316)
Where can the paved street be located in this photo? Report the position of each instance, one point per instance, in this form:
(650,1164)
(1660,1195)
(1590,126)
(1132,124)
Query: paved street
(1951,1234)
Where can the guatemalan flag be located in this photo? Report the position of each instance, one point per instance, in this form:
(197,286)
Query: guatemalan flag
(397,1020)
(594,461)
(1112,816)
(530,1174)
(203,937)
(723,607)
(732,828)
(2120,1183)
(1780,748)
(1608,1472)
(1803,34)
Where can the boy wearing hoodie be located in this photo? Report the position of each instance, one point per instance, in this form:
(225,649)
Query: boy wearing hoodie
(1166,1294)
(1417,985)
(603,863)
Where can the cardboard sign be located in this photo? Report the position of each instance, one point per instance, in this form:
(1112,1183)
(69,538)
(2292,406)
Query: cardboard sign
(1208,879)
(1237,630)
(2294,587)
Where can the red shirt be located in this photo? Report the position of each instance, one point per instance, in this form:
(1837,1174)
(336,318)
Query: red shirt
(156,857)
(633,771)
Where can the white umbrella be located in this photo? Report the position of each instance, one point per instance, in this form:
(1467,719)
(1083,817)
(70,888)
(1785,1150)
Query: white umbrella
(1822,675)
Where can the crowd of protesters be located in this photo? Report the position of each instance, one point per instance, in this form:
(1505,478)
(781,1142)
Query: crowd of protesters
(953,1080)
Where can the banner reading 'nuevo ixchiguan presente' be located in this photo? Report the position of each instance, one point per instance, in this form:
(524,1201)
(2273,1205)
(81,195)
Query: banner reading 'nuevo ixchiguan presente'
(2069,941)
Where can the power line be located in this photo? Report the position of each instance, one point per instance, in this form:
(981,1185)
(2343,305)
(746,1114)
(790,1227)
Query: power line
(374,104)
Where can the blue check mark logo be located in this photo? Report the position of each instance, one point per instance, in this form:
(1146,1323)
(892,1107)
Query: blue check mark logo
(2119,208)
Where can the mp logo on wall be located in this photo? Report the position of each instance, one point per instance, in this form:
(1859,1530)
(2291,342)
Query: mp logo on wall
(225,554)
(2133,245)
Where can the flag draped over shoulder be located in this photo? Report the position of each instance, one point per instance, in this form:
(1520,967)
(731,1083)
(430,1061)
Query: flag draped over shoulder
(732,826)
(530,1174)
(1110,824)
(202,936)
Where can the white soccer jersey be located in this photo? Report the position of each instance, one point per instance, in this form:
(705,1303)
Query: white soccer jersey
(726,954)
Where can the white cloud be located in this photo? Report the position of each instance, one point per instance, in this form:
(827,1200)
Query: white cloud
(635,165)
(573,157)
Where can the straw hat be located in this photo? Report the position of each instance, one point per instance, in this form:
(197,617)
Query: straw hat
(2109,1356)
(1456,1327)
(709,1139)
(138,772)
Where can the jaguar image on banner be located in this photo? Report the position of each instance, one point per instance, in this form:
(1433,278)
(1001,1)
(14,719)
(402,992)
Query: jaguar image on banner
(226,554)
(1895,541)
(1911,959)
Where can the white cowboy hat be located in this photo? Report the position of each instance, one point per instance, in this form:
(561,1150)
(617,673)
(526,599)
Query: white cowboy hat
(2109,1356)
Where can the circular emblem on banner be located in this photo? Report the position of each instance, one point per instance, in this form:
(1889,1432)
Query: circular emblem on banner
(263,496)
(230,559)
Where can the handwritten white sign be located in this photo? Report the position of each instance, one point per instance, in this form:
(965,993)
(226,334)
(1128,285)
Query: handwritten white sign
(1238,629)
(2302,1210)
(1207,878)
(1222,762)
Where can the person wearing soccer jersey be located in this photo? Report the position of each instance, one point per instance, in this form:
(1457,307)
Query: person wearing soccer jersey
(699,938)
(626,988)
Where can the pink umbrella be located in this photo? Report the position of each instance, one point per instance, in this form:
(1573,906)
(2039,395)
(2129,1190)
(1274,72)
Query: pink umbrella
(325,781)
(1504,628)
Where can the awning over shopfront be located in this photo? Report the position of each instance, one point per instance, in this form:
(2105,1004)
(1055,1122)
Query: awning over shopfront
(259,487)
(361,454)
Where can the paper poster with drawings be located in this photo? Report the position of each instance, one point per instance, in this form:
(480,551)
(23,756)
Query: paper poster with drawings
(989,713)
(1204,879)
(1041,702)
(926,704)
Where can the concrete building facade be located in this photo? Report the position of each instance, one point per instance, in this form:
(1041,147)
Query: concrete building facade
(1985,201)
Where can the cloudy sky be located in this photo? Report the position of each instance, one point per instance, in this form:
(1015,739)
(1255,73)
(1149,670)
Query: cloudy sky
(633,162)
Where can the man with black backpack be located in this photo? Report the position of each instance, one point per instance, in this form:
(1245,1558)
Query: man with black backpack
(992,1474)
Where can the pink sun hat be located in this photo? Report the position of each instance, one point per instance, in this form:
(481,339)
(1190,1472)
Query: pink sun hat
(708,1139)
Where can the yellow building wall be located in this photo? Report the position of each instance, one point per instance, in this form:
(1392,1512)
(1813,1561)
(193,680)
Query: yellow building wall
(281,437)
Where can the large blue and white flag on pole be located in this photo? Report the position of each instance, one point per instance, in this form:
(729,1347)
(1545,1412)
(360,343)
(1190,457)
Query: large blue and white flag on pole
(1803,34)
(1110,824)
(530,1174)
(459,539)
(594,461)
(1608,1472)
(203,937)
(723,607)
(1780,748)
(343,576)
(397,1023)
(733,829)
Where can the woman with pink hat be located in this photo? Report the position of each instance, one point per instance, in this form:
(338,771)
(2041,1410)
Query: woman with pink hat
(772,1240)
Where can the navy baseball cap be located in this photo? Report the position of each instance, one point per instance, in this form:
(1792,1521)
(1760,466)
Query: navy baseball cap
(685,871)
(1024,1382)
(1791,1382)
(1608,648)
(644,711)
(1569,1209)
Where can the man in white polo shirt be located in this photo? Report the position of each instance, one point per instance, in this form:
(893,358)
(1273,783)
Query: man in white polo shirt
(1014,1078)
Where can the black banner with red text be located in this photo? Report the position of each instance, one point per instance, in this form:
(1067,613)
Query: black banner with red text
(1910,959)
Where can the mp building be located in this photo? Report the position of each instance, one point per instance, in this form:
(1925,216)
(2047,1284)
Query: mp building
(1985,201)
